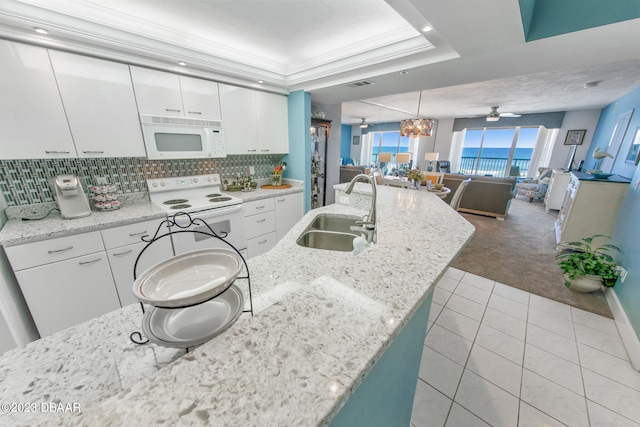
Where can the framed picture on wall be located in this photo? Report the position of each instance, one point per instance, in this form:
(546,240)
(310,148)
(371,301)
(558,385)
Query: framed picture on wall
(356,140)
(634,150)
(575,137)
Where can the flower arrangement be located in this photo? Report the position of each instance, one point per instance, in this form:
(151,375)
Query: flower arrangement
(415,175)
(276,174)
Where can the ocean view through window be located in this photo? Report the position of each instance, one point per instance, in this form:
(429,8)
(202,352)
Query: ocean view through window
(498,152)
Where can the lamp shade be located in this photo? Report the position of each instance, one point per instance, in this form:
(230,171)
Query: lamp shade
(432,157)
(403,157)
(384,157)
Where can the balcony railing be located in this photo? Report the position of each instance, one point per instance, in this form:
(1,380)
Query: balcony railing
(493,166)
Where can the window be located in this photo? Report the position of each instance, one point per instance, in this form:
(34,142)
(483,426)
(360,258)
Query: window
(388,142)
(498,151)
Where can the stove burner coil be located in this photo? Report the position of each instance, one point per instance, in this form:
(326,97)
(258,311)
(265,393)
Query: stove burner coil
(181,206)
(214,195)
(220,199)
(175,201)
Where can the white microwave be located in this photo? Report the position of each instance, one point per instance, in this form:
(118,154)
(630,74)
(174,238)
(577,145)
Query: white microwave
(182,137)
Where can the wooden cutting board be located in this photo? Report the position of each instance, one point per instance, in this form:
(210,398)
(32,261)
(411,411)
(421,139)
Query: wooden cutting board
(271,187)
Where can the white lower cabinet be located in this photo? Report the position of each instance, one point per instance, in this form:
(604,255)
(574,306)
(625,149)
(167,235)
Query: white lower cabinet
(289,211)
(66,293)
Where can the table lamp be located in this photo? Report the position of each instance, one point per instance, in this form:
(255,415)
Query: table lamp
(403,158)
(431,157)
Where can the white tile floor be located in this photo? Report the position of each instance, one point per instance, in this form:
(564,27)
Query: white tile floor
(498,356)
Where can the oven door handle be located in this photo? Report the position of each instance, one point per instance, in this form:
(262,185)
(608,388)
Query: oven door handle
(212,213)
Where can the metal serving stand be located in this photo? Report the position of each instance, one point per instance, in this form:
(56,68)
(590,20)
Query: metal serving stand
(136,336)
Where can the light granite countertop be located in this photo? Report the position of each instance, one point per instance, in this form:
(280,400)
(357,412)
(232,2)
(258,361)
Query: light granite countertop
(137,209)
(322,319)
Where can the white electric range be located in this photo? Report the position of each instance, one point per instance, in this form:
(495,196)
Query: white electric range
(200,197)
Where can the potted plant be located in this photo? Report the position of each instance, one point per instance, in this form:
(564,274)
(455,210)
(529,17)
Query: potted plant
(416,177)
(587,267)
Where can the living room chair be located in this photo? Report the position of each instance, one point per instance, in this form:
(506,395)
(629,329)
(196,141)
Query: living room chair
(535,188)
(443,166)
(457,196)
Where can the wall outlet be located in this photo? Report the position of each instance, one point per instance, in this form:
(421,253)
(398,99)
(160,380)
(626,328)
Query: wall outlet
(252,170)
(623,274)
(636,184)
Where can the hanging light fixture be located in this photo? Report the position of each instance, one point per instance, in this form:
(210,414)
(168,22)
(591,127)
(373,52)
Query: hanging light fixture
(416,127)
(364,124)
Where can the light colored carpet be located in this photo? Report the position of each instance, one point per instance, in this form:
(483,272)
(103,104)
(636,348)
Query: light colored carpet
(520,252)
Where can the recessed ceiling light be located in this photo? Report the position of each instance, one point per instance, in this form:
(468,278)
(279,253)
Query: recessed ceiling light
(427,28)
(260,81)
(182,63)
(592,84)
(40,30)
(404,72)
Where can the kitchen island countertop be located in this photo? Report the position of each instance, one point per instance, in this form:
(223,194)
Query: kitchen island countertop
(322,320)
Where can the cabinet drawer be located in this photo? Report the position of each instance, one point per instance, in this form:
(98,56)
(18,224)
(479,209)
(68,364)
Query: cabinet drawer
(257,225)
(129,234)
(48,251)
(258,206)
(261,244)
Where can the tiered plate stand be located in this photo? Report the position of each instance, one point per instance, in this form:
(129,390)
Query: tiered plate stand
(137,336)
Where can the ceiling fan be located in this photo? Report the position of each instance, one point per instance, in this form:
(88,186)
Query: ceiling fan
(494,115)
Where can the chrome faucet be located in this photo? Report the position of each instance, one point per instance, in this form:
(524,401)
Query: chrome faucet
(368,227)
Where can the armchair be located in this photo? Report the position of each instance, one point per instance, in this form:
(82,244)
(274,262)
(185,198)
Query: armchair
(535,188)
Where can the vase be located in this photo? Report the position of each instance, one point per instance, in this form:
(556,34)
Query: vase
(588,283)
(276,180)
(416,184)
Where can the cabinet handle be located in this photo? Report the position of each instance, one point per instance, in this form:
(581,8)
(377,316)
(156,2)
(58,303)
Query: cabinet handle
(265,151)
(252,151)
(262,220)
(281,200)
(57,151)
(172,110)
(137,234)
(93,261)
(92,152)
(194,112)
(261,207)
(57,251)
(261,242)
(123,253)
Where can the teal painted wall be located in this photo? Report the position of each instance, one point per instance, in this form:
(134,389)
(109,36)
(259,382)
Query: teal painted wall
(345,141)
(626,234)
(299,157)
(385,397)
(548,18)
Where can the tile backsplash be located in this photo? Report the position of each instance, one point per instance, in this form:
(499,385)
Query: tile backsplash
(25,182)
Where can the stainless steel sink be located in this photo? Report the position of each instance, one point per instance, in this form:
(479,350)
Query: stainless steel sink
(333,222)
(328,240)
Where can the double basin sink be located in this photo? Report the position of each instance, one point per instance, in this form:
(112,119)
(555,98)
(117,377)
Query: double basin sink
(330,232)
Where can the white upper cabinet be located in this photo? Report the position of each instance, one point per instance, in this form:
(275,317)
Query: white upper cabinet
(239,119)
(167,94)
(200,98)
(100,105)
(273,123)
(157,92)
(254,122)
(32,118)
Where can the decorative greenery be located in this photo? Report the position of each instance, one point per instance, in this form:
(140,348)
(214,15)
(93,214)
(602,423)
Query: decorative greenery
(581,258)
(415,175)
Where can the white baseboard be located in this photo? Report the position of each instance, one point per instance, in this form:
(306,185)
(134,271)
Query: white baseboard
(627,333)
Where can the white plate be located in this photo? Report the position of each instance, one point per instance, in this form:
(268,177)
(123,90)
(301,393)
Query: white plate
(188,278)
(195,325)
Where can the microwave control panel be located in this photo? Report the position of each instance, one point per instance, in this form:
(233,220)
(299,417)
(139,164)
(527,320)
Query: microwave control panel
(218,148)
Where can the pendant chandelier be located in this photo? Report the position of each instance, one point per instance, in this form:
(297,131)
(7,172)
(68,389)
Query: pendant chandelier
(416,127)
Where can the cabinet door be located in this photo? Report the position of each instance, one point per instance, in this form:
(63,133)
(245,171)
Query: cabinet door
(272,118)
(100,105)
(122,260)
(67,293)
(32,118)
(200,98)
(261,244)
(289,210)
(239,119)
(157,92)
